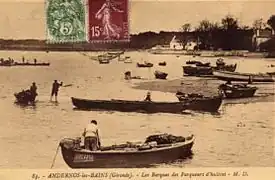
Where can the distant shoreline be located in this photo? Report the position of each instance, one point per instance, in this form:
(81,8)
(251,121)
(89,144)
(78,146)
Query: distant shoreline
(222,53)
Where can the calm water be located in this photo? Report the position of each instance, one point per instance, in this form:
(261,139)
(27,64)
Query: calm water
(29,136)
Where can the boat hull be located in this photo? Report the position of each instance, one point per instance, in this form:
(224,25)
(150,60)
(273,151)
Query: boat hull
(160,75)
(208,105)
(126,159)
(197,71)
(242,77)
(237,92)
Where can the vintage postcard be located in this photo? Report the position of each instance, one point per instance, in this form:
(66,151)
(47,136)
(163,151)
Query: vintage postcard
(137,89)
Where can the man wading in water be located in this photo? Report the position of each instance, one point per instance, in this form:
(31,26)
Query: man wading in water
(55,89)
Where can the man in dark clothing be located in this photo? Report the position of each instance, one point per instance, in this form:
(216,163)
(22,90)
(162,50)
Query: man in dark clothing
(148,97)
(55,89)
(33,91)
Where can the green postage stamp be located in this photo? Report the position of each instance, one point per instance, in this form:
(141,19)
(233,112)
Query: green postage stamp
(65,21)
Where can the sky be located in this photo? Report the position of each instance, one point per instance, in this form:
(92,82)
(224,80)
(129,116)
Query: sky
(25,19)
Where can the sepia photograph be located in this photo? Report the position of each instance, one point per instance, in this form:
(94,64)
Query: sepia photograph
(98,84)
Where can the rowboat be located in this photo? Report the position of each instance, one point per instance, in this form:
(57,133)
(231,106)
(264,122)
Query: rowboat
(207,105)
(160,75)
(199,63)
(203,70)
(25,97)
(237,90)
(162,63)
(146,64)
(197,70)
(126,155)
(199,100)
(235,76)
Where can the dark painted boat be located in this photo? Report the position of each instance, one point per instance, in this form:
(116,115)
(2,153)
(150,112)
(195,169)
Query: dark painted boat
(160,75)
(244,77)
(206,70)
(199,63)
(162,63)
(203,104)
(31,64)
(127,155)
(230,68)
(200,100)
(197,70)
(146,64)
(25,97)
(237,90)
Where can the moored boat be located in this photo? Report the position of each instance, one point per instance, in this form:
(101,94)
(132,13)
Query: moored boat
(31,64)
(237,90)
(200,100)
(160,75)
(203,104)
(162,63)
(197,70)
(245,77)
(199,63)
(25,97)
(156,149)
(145,64)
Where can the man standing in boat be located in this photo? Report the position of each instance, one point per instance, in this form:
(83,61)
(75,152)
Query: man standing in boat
(55,88)
(91,136)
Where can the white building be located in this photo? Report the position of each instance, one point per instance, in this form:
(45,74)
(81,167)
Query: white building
(260,36)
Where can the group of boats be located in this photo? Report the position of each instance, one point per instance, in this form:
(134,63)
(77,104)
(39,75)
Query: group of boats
(197,68)
(160,148)
(10,62)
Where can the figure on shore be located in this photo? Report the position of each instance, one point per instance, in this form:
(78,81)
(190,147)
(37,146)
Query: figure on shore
(35,61)
(91,136)
(105,14)
(33,91)
(23,59)
(55,88)
(148,97)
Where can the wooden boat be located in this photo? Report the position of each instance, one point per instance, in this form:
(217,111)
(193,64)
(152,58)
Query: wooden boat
(197,70)
(245,77)
(205,104)
(145,64)
(127,155)
(206,70)
(230,68)
(200,100)
(25,97)
(237,90)
(199,63)
(160,75)
(31,64)
(162,63)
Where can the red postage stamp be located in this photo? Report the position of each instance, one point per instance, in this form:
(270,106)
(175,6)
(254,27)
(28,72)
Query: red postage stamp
(108,20)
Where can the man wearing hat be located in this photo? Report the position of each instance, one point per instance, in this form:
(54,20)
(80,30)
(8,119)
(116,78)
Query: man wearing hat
(91,136)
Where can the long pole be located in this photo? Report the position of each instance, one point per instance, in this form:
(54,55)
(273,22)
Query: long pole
(55,156)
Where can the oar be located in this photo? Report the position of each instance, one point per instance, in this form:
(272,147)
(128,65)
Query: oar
(68,85)
(55,156)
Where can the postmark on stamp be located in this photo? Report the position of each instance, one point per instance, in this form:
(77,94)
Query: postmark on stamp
(108,20)
(65,21)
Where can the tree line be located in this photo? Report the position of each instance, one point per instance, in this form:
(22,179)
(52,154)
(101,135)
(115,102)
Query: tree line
(227,34)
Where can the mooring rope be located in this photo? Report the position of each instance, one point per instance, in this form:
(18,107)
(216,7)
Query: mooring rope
(55,156)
